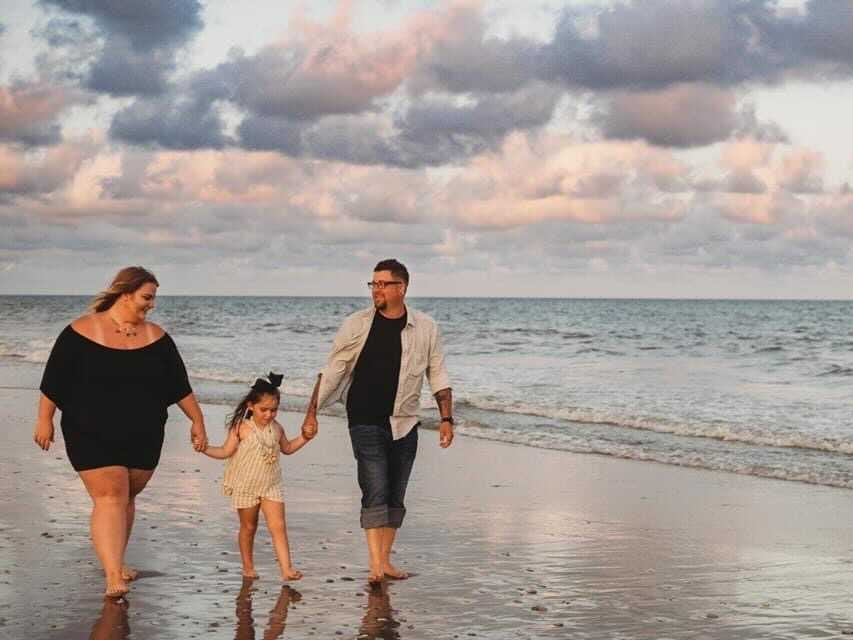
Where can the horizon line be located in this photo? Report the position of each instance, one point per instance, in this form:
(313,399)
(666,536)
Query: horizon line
(457,297)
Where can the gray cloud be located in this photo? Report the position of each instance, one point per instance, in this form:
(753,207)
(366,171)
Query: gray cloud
(685,116)
(488,119)
(140,40)
(471,61)
(428,132)
(170,122)
(656,43)
(744,182)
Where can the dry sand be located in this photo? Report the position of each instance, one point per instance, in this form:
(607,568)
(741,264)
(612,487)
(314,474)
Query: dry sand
(504,541)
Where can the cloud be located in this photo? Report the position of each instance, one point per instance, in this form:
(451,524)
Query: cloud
(321,69)
(683,115)
(171,122)
(140,40)
(530,180)
(680,116)
(433,131)
(654,44)
(29,112)
(30,174)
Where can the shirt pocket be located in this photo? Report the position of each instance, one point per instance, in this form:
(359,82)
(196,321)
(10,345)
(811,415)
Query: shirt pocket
(417,364)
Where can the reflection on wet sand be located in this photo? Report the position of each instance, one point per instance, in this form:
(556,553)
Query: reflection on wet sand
(278,614)
(378,622)
(112,624)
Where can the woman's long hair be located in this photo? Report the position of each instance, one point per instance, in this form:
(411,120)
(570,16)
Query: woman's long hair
(125,281)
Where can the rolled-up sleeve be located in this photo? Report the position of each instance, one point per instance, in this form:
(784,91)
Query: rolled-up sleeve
(436,371)
(336,369)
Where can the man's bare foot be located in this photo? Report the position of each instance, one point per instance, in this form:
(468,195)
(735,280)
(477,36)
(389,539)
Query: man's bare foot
(291,574)
(375,575)
(393,572)
(251,574)
(129,574)
(116,588)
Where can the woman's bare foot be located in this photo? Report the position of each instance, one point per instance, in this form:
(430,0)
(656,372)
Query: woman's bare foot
(393,572)
(251,574)
(291,574)
(129,574)
(116,588)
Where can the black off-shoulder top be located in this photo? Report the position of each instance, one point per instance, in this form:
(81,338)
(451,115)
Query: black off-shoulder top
(113,401)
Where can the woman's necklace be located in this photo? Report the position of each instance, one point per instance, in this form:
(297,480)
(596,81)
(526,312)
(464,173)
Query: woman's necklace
(127,331)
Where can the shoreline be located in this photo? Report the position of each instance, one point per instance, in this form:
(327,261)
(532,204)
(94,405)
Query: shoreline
(504,541)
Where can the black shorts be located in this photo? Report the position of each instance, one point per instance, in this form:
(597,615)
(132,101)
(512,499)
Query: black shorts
(137,449)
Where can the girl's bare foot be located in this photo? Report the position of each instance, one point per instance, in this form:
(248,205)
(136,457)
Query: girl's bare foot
(291,574)
(250,573)
(393,572)
(129,574)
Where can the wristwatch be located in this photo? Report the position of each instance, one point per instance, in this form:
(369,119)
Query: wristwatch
(447,419)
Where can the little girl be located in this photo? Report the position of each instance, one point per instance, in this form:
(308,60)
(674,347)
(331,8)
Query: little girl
(252,473)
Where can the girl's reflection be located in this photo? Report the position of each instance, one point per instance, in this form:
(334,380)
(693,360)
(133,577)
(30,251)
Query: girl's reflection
(278,614)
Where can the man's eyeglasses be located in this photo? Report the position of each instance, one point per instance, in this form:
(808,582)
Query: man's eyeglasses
(381,284)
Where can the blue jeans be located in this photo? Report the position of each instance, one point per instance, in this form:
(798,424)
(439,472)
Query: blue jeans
(384,466)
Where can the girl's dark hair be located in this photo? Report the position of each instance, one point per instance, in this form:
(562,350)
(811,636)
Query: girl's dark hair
(258,390)
(127,280)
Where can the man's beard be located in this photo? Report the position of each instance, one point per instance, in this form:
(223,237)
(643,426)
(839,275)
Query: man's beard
(380,304)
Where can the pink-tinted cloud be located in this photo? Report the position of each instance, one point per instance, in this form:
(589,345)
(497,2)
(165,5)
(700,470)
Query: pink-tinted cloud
(327,67)
(28,113)
(556,178)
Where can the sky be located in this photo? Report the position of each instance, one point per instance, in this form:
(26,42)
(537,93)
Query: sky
(691,149)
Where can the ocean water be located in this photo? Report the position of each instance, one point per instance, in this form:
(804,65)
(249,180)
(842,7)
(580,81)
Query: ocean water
(752,387)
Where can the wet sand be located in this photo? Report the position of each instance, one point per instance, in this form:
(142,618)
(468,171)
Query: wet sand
(504,541)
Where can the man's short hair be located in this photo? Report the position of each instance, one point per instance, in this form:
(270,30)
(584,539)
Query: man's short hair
(397,269)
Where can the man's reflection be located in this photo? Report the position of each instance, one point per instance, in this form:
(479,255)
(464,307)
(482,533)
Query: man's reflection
(112,624)
(277,617)
(378,622)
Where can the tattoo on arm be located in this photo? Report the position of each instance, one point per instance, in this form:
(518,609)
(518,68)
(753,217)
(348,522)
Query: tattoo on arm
(444,398)
(312,405)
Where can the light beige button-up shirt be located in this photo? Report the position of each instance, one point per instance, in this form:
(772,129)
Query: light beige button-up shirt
(422,354)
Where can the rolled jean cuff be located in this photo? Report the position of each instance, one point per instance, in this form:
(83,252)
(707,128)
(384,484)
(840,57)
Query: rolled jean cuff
(372,517)
(395,516)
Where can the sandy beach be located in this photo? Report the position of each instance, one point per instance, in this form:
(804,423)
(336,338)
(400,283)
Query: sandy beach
(505,541)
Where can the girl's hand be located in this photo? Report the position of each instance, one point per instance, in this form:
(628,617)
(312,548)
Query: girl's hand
(309,428)
(198,436)
(43,434)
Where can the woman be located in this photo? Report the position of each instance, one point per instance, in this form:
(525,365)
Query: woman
(113,375)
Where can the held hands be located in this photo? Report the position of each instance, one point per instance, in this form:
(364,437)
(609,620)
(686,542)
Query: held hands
(445,435)
(43,434)
(198,436)
(309,427)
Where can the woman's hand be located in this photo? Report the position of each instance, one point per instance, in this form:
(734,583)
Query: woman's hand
(198,436)
(43,434)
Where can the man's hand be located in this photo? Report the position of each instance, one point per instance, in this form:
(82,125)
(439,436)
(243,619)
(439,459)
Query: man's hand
(445,435)
(198,436)
(309,427)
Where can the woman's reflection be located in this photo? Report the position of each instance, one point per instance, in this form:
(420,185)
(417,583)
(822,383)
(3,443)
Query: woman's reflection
(112,624)
(378,622)
(278,614)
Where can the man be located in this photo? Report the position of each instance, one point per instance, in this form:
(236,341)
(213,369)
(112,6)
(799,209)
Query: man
(378,362)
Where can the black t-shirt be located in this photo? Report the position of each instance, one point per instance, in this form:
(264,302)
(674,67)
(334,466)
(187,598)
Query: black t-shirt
(374,381)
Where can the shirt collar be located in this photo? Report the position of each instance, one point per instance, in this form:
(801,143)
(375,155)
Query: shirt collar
(410,316)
